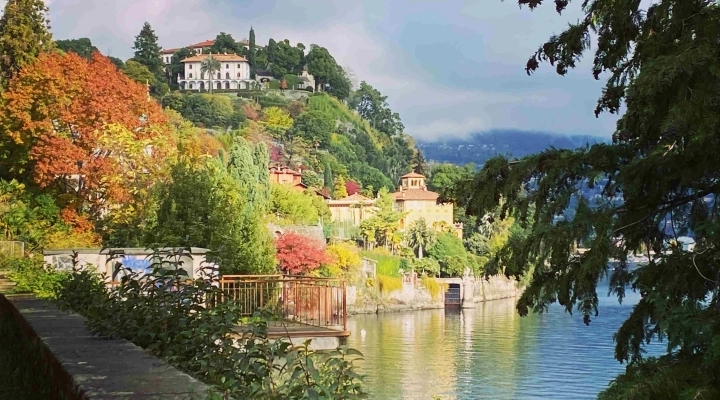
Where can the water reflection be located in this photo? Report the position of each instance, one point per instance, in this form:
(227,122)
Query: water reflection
(489,352)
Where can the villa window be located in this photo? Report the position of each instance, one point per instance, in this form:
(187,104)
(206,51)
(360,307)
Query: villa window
(190,66)
(227,75)
(227,65)
(239,66)
(238,74)
(190,75)
(218,75)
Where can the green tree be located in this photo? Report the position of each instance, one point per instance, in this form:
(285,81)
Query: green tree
(339,84)
(138,72)
(420,236)
(449,251)
(662,66)
(251,52)
(176,66)
(373,107)
(339,190)
(82,47)
(147,50)
(290,206)
(314,126)
(24,33)
(118,62)
(283,58)
(328,178)
(210,66)
(321,65)
(224,43)
(311,179)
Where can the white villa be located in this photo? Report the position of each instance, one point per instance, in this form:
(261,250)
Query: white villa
(234,73)
(166,54)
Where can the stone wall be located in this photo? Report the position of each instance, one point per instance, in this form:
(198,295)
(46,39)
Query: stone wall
(58,355)
(367,300)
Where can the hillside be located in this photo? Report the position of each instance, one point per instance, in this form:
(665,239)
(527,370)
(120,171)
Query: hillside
(482,146)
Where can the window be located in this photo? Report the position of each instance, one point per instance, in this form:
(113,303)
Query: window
(218,75)
(190,75)
(227,75)
(190,66)
(238,74)
(227,65)
(239,66)
(227,85)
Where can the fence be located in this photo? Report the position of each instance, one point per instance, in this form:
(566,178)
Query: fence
(12,248)
(319,302)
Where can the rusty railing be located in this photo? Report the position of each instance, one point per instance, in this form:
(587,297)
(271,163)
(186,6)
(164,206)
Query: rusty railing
(319,302)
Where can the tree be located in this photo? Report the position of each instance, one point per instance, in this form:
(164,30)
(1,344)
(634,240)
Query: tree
(82,47)
(352,187)
(420,236)
(311,179)
(344,258)
(276,122)
(314,126)
(292,207)
(251,52)
(298,255)
(339,84)
(116,61)
(24,34)
(328,179)
(210,66)
(662,65)
(321,65)
(339,190)
(147,50)
(66,130)
(373,107)
(283,58)
(138,72)
(224,43)
(448,249)
(176,66)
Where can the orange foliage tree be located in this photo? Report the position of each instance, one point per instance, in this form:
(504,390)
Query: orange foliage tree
(297,254)
(85,130)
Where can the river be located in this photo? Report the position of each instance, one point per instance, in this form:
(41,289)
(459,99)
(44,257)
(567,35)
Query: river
(489,352)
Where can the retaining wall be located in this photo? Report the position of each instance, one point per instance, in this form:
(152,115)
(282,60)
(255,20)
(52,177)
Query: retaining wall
(49,354)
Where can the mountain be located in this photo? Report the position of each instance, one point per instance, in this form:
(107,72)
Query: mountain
(480,147)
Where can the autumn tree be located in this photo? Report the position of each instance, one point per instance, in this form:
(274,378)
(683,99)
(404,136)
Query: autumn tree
(84,130)
(662,66)
(298,255)
(352,187)
(24,34)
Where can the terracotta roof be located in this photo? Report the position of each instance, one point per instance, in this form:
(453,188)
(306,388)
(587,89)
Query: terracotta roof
(169,51)
(356,197)
(219,57)
(283,170)
(415,194)
(206,43)
(413,175)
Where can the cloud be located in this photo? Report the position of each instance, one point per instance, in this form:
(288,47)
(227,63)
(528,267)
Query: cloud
(449,68)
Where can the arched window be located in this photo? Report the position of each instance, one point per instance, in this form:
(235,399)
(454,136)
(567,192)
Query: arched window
(219,85)
(238,74)
(227,75)
(227,66)
(227,85)
(191,75)
(190,66)
(239,65)
(218,75)
(190,86)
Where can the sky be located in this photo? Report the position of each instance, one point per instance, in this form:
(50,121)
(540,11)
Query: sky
(450,68)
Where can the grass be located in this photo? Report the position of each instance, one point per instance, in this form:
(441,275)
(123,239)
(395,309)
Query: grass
(387,264)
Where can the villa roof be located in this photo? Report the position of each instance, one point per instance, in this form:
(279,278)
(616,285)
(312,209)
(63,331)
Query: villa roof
(219,57)
(350,200)
(415,194)
(356,197)
(205,43)
(277,169)
(168,51)
(413,175)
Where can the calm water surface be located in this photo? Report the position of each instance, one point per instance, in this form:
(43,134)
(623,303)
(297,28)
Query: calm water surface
(490,352)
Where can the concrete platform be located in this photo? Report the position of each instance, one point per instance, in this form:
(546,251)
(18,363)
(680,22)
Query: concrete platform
(323,338)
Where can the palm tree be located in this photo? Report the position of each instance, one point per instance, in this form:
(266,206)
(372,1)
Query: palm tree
(210,65)
(420,236)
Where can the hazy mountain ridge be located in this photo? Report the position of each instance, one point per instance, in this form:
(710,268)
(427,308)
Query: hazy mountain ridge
(480,147)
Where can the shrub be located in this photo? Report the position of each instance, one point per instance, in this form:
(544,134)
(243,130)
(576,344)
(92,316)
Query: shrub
(185,323)
(433,287)
(389,284)
(387,264)
(33,276)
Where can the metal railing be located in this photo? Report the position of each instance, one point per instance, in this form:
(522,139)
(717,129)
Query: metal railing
(319,302)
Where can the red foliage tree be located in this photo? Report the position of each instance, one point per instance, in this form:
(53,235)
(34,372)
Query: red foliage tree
(67,117)
(352,187)
(297,254)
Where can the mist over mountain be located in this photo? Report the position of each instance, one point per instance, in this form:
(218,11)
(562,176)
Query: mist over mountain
(480,147)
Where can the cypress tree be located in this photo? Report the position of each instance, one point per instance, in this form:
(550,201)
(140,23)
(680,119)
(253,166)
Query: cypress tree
(24,33)
(251,52)
(147,50)
(328,177)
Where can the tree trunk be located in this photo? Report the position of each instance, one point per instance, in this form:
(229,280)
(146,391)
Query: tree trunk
(420,254)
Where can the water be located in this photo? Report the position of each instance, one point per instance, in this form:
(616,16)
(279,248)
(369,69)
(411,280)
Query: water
(490,352)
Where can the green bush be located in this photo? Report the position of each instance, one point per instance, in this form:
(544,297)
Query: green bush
(184,323)
(433,287)
(33,276)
